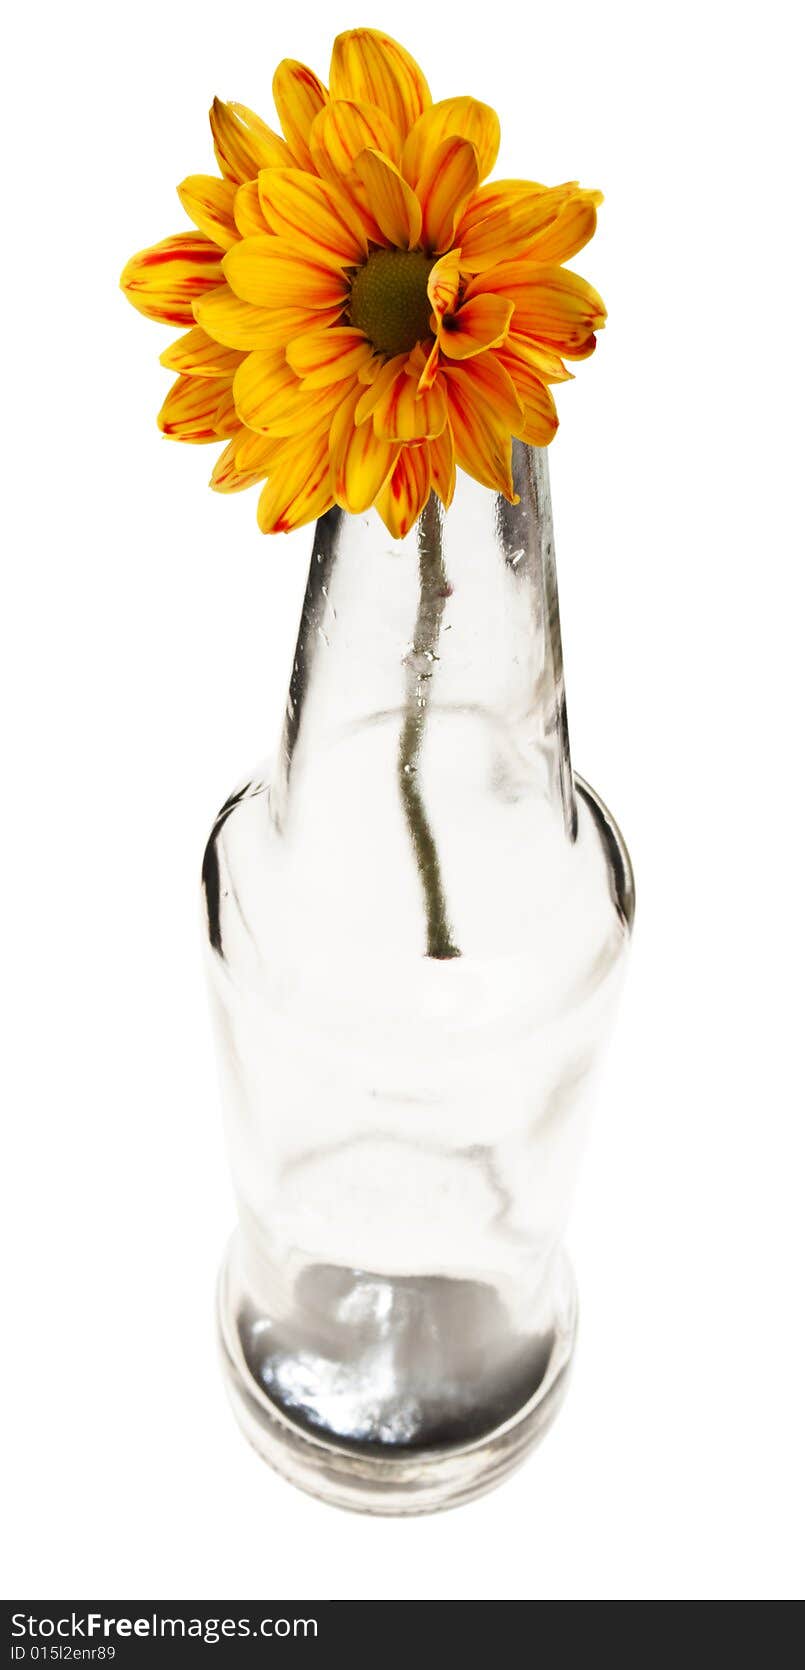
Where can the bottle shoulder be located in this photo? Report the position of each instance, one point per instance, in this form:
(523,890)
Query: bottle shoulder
(328,874)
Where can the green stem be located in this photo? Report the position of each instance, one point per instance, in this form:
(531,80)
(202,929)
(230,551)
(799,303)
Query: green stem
(433,593)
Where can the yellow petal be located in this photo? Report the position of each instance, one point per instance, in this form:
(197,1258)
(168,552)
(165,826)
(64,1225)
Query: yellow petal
(269,272)
(210,204)
(442,455)
(391,200)
(255,452)
(237,324)
(550,303)
(328,356)
(573,227)
(381,381)
(263,380)
(343,129)
(370,370)
(312,215)
(227,478)
(485,453)
(430,370)
(163,282)
(405,414)
(190,412)
(299,95)
(225,416)
(481,323)
(244,143)
(484,413)
(298,489)
(360,462)
(443,283)
(500,224)
(485,383)
(197,355)
(498,194)
(461,118)
(405,494)
(270,398)
(450,176)
(541,421)
(340,132)
(249,217)
(547,364)
(369,66)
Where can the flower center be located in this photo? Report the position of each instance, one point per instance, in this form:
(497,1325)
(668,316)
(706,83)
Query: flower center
(390,299)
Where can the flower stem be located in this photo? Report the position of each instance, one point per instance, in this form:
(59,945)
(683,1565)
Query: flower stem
(433,593)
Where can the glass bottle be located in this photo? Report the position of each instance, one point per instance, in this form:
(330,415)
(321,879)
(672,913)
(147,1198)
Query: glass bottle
(416,927)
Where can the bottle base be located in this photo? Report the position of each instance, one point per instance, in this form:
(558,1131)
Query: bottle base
(407,1480)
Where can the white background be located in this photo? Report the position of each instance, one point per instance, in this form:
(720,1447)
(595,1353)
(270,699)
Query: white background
(147,633)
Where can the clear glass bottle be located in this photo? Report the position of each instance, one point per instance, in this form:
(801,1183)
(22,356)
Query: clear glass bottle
(416,926)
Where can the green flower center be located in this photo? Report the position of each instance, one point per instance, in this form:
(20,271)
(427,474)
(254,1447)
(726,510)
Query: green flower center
(390,299)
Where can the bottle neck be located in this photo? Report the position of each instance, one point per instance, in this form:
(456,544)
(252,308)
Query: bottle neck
(461,615)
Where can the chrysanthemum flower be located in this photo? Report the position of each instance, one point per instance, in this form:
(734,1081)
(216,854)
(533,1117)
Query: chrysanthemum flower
(364,313)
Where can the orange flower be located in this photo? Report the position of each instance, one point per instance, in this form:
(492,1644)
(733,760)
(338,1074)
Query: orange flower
(363,313)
